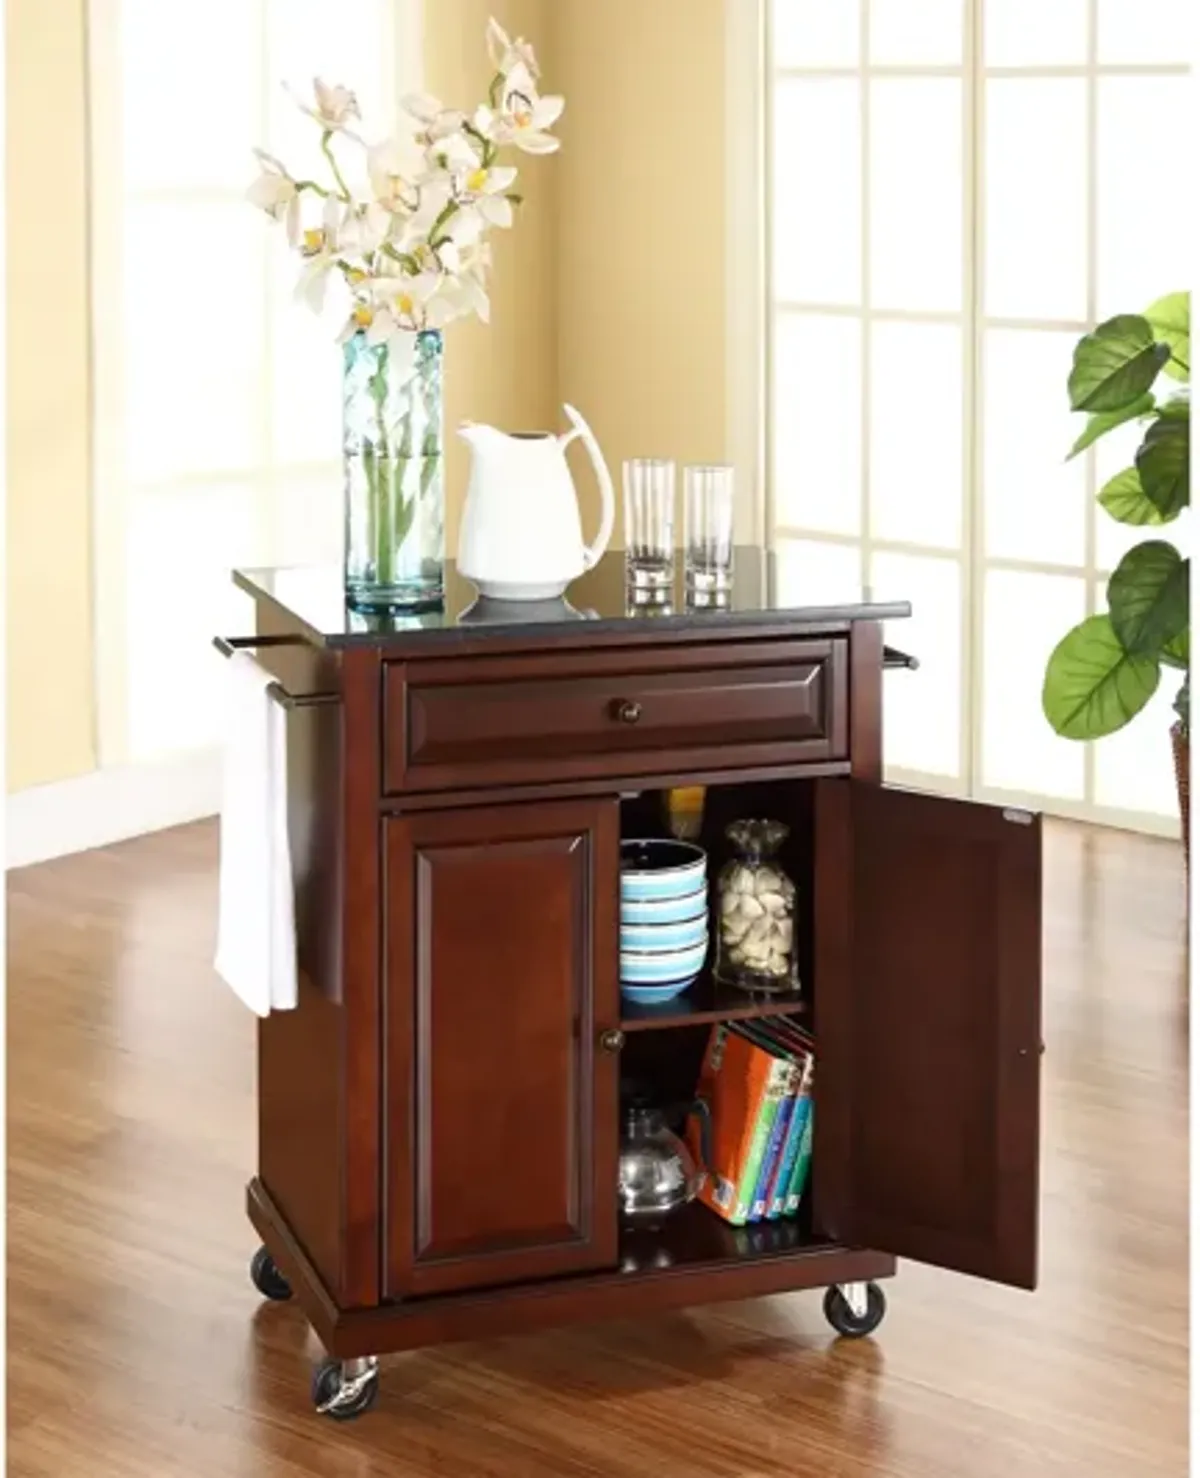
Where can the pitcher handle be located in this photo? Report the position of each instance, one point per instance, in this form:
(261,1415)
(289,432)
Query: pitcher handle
(591,555)
(703,1113)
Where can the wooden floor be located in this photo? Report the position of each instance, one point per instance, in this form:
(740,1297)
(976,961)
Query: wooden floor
(137,1348)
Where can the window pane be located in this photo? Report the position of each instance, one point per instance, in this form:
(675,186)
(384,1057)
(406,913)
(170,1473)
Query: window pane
(810,572)
(1035,500)
(347,42)
(916,194)
(306,363)
(818,423)
(922,713)
(1025,617)
(180,548)
(193,339)
(815,207)
(916,433)
(1142,235)
(1036,216)
(1134,768)
(1022,33)
(306,517)
(1144,30)
(907,32)
(815,33)
(189,93)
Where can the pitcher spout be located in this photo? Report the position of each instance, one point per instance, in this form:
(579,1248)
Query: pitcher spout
(475,434)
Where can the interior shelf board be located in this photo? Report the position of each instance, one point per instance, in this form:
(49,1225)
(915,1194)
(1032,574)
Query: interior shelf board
(695,1236)
(709,1000)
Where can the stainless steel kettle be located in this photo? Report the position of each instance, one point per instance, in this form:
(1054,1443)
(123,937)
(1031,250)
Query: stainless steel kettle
(657,1173)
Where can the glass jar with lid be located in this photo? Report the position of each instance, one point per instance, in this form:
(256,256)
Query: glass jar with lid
(756,905)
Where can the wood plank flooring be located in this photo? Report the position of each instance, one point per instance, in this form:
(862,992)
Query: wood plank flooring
(138,1349)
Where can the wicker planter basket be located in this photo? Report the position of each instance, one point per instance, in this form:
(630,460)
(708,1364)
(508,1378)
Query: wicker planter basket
(1182,751)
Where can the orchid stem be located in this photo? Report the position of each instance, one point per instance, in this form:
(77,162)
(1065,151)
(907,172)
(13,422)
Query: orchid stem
(327,150)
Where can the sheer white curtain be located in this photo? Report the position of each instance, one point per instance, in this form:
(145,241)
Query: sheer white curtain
(217,399)
(957,189)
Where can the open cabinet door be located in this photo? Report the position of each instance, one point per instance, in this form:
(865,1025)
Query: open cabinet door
(928,1000)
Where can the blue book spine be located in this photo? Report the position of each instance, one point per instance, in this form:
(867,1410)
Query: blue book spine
(773,1158)
(787,1156)
(800,1173)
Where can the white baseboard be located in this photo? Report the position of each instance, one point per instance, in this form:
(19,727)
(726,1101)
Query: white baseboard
(110,806)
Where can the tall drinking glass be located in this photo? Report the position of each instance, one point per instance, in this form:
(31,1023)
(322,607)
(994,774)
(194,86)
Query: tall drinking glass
(649,524)
(708,529)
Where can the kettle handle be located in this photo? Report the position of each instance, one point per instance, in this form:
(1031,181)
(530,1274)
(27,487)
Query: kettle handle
(591,555)
(703,1113)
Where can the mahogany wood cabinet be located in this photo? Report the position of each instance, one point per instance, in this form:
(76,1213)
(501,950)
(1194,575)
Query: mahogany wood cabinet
(439,1119)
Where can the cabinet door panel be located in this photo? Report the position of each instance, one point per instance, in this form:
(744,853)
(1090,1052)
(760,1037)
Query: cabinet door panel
(502,1117)
(928,998)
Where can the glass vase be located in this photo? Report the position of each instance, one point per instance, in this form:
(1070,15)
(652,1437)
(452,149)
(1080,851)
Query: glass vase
(393,445)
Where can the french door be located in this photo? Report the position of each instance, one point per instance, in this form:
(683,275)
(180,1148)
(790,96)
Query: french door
(957,189)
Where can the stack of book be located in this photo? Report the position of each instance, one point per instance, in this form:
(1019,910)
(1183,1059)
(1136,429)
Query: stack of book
(757,1081)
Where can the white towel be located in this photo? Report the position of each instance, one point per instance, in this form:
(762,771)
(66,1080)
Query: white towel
(256,930)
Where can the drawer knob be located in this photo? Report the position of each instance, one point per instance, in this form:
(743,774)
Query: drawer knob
(628,711)
(612,1040)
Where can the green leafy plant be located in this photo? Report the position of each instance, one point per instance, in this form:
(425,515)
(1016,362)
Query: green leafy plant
(1106,669)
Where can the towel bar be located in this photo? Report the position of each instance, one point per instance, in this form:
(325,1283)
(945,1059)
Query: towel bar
(228,645)
(894,658)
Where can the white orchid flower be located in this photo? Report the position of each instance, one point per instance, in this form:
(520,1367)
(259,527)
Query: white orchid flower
(507,54)
(320,247)
(389,178)
(486,191)
(333,106)
(523,122)
(275,192)
(439,122)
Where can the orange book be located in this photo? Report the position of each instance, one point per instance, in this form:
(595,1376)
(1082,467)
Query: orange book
(738,1082)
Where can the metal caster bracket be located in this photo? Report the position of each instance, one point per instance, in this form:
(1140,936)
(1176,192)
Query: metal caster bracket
(356,1376)
(855,1295)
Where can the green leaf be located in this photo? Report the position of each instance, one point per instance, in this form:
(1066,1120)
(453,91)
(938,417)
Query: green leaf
(1178,653)
(1171,320)
(1093,686)
(1148,597)
(1115,364)
(1162,464)
(1107,421)
(1125,500)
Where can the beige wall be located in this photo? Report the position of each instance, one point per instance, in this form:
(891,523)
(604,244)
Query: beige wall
(50,697)
(641,231)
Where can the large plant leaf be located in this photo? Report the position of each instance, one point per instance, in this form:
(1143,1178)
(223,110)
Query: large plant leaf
(1171,320)
(1178,653)
(1093,686)
(1162,464)
(1179,407)
(1115,364)
(1100,425)
(1148,597)
(1124,498)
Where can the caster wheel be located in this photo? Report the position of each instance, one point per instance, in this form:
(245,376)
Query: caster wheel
(846,1321)
(267,1278)
(341,1395)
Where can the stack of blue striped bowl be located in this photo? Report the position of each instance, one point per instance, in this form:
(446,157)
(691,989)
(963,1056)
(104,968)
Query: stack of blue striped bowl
(664,919)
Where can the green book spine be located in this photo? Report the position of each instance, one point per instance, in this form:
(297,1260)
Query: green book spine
(803,1160)
(768,1107)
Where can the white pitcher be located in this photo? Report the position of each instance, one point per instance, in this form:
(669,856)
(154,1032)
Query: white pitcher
(521,536)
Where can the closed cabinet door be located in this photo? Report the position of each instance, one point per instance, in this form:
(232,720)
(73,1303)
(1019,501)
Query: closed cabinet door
(927,984)
(501,1103)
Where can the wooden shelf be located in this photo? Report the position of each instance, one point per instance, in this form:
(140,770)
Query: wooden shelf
(709,1000)
(695,1237)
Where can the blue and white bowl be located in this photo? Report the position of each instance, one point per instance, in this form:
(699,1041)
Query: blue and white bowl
(658,937)
(652,995)
(671,970)
(660,869)
(658,911)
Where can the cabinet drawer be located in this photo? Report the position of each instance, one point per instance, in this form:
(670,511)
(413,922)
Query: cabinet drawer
(507,720)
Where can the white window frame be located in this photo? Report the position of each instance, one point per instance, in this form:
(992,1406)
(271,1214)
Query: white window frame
(972,558)
(107,198)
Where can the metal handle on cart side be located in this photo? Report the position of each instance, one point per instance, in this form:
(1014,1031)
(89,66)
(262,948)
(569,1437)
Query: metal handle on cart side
(228,645)
(893,658)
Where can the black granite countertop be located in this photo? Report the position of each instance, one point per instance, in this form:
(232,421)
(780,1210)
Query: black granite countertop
(599,602)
